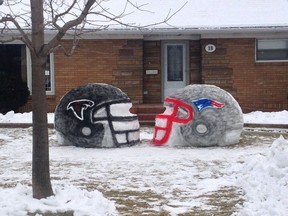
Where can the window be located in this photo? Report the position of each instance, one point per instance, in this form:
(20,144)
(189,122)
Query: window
(49,73)
(175,62)
(272,50)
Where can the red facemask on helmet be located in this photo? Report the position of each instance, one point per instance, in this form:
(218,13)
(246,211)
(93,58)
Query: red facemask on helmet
(176,112)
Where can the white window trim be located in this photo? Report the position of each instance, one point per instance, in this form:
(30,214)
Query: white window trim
(29,73)
(263,61)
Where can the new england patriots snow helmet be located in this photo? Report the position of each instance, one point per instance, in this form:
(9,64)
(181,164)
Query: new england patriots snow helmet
(199,116)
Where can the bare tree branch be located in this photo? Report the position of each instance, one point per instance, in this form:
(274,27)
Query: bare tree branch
(67,11)
(75,44)
(139,7)
(168,17)
(24,37)
(70,24)
(59,11)
(55,17)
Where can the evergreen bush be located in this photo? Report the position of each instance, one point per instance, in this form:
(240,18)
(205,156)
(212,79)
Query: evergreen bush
(14,93)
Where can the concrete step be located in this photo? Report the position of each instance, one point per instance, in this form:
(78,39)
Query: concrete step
(147,108)
(147,112)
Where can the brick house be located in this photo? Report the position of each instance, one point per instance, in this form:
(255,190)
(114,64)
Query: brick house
(249,61)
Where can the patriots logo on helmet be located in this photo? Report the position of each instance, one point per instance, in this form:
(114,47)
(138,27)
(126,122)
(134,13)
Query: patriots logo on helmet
(203,103)
(78,107)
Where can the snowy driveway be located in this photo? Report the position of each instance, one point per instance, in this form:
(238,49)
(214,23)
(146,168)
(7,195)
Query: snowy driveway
(146,180)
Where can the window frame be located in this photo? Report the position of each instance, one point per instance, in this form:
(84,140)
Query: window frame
(29,73)
(272,60)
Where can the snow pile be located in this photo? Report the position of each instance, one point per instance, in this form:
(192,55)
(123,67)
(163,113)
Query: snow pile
(12,117)
(259,117)
(264,179)
(18,201)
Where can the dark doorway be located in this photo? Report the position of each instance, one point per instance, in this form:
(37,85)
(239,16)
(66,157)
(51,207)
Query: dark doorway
(11,59)
(13,76)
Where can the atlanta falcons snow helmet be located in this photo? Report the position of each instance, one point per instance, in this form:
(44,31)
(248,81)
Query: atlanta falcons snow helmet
(199,116)
(96,115)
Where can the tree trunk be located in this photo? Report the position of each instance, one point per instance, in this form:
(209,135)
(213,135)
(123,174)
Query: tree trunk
(41,183)
(40,162)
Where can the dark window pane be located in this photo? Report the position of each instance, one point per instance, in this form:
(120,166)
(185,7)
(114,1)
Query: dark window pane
(276,49)
(272,55)
(10,60)
(175,62)
(48,75)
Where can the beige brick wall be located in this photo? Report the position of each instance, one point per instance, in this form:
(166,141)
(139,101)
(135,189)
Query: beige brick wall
(256,86)
(115,62)
(152,61)
(122,63)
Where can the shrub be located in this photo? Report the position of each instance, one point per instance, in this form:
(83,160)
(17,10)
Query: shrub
(14,93)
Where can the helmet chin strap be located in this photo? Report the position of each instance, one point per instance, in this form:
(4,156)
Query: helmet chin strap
(108,138)
(162,134)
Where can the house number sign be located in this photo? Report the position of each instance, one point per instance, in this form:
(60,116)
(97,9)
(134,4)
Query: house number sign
(210,48)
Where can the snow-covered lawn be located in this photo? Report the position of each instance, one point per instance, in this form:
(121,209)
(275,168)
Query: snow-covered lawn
(250,178)
(256,117)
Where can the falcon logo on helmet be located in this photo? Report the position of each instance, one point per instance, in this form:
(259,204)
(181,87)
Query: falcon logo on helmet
(78,107)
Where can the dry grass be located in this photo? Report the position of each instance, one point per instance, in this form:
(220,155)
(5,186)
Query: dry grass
(131,201)
(218,203)
(66,213)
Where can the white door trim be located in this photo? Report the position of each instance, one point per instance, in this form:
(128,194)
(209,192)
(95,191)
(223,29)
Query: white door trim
(164,82)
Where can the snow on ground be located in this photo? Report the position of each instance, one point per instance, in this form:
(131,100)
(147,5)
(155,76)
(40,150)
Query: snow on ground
(257,117)
(250,178)
(12,117)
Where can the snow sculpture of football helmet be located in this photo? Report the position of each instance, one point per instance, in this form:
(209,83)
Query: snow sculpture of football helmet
(199,116)
(96,115)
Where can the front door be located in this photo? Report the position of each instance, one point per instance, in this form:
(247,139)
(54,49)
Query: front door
(175,67)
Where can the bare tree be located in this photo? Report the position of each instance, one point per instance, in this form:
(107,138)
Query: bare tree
(64,17)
